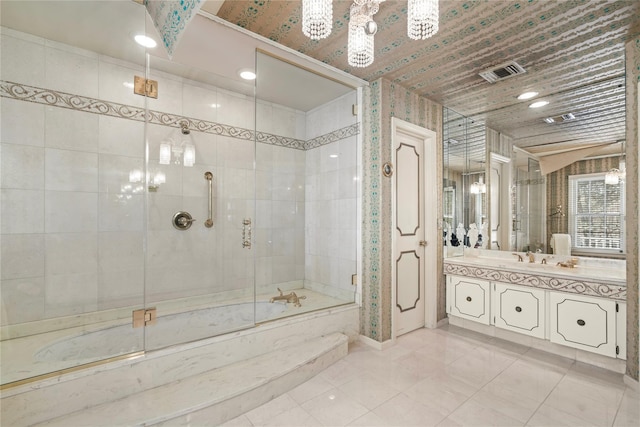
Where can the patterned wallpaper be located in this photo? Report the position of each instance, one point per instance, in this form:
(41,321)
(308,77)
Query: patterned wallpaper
(633,122)
(384,100)
(171,18)
(572,51)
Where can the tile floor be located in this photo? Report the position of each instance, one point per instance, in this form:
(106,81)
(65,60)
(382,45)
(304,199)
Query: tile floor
(453,377)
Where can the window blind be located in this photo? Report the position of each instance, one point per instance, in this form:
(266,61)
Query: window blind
(596,213)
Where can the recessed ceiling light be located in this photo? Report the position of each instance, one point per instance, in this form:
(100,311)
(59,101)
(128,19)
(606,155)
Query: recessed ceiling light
(333,156)
(539,104)
(527,95)
(145,41)
(127,85)
(549,120)
(247,74)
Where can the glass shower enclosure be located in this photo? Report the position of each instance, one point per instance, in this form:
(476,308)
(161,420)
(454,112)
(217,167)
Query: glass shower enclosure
(133,222)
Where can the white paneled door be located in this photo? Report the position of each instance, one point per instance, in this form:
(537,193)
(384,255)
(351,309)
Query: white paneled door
(413,252)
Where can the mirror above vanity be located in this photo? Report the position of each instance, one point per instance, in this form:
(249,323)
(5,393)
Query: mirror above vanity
(523,180)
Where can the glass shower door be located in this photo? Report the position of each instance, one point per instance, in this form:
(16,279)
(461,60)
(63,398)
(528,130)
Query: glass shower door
(72,220)
(200,203)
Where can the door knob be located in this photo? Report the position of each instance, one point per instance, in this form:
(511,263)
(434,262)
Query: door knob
(423,243)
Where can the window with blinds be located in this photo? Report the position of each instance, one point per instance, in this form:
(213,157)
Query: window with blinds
(596,213)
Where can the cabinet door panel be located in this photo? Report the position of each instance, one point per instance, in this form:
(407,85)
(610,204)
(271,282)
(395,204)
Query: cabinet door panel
(469,298)
(585,323)
(520,309)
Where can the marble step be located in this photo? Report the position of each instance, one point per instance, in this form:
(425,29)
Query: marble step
(216,396)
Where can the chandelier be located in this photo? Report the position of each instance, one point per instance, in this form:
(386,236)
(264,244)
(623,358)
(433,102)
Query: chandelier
(478,187)
(317,20)
(615,175)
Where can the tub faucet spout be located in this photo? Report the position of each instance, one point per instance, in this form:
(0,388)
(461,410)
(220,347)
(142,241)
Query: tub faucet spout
(291,297)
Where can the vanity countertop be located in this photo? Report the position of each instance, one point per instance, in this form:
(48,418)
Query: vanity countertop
(595,277)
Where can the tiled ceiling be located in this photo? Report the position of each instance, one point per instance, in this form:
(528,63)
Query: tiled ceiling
(572,51)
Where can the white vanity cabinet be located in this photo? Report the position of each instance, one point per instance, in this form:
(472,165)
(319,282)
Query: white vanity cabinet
(469,298)
(519,309)
(583,322)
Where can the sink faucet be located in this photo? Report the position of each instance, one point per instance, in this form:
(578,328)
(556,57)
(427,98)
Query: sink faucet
(519,256)
(532,257)
(544,260)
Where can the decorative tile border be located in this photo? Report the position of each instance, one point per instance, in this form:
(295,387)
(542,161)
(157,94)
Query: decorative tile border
(573,286)
(85,104)
(330,137)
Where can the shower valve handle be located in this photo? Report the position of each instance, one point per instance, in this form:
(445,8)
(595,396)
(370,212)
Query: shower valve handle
(184,221)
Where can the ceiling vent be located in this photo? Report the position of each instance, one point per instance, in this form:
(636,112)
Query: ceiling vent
(502,72)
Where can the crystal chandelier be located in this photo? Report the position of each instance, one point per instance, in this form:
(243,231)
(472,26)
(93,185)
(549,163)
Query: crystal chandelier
(317,21)
(422,18)
(478,187)
(361,31)
(317,18)
(615,175)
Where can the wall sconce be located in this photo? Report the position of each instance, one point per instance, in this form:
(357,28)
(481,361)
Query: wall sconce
(478,187)
(181,151)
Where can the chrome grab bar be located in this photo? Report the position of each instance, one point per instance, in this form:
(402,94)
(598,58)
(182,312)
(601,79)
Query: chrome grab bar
(209,177)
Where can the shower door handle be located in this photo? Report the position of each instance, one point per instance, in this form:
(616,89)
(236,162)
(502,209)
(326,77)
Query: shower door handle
(246,233)
(209,177)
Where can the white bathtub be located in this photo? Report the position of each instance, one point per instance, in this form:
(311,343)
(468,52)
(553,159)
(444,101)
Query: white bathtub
(169,329)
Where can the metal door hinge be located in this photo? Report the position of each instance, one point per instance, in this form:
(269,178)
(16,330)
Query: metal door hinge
(144,317)
(354,109)
(145,87)
(617,350)
(617,308)
(354,279)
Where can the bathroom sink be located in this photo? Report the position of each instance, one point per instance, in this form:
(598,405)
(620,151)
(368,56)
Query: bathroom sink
(581,271)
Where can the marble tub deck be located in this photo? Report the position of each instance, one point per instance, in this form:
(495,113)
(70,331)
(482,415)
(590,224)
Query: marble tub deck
(18,354)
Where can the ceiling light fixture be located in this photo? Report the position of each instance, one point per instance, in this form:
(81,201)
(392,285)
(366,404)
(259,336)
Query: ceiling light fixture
(478,187)
(539,104)
(247,74)
(550,120)
(616,175)
(527,95)
(145,41)
(422,19)
(317,19)
(360,38)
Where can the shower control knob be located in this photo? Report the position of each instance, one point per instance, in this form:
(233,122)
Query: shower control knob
(182,220)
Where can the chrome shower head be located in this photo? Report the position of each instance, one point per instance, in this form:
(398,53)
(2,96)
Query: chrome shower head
(184,127)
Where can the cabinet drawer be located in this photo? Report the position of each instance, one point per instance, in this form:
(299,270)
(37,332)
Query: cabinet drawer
(469,298)
(519,309)
(582,322)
